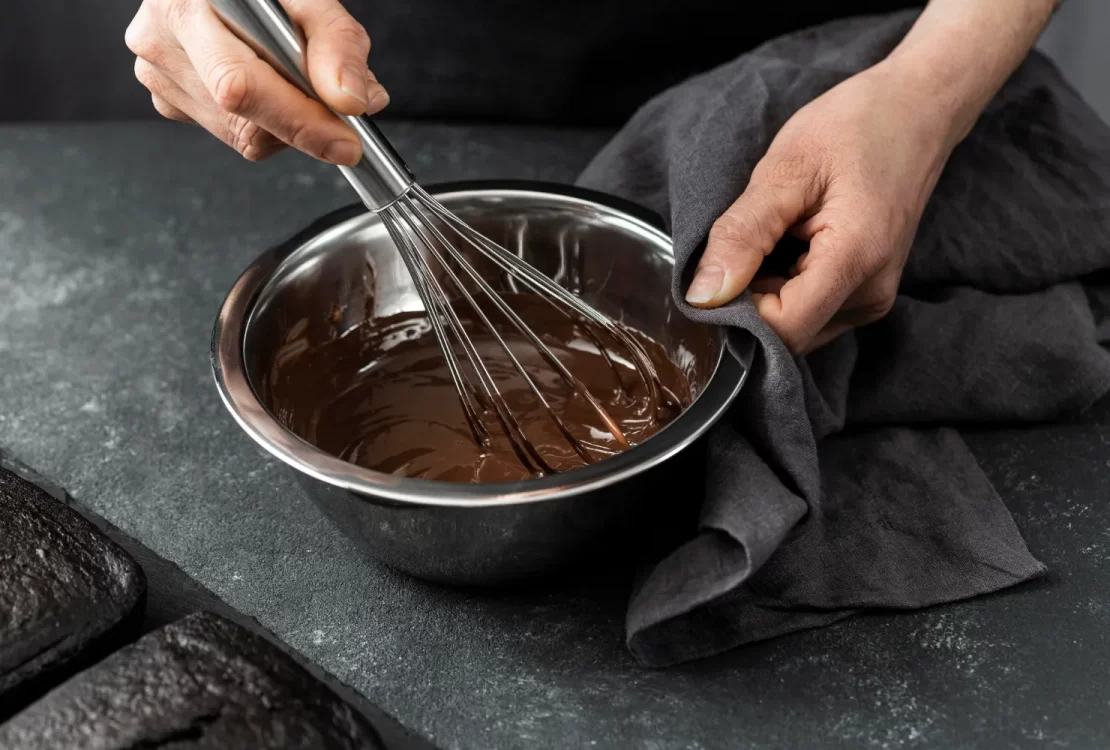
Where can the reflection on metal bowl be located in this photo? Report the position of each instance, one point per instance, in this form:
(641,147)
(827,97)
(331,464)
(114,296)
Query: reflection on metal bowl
(611,253)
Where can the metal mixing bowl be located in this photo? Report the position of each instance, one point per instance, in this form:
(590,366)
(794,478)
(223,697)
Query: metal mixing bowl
(322,281)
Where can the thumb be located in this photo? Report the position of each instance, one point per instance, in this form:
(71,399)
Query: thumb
(337,49)
(743,236)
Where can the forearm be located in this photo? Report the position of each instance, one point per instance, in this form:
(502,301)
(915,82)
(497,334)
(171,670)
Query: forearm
(959,53)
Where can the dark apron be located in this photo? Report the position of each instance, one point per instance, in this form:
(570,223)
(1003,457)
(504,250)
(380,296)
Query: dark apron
(580,62)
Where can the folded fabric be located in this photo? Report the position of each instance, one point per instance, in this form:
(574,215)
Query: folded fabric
(837,482)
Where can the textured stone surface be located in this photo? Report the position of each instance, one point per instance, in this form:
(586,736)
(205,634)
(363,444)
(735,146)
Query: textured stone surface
(117,245)
(67,592)
(202,682)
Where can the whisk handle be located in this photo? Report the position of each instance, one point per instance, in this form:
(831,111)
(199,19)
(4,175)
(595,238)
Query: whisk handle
(381,176)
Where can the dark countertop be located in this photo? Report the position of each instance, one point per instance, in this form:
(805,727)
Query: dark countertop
(117,244)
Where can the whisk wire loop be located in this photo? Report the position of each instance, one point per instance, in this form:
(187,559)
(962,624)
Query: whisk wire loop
(522,327)
(443,318)
(543,286)
(419,225)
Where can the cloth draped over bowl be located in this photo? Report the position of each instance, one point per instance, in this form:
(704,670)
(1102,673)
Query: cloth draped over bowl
(837,482)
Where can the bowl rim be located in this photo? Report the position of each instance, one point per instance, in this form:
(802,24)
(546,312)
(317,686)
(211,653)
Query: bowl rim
(240,398)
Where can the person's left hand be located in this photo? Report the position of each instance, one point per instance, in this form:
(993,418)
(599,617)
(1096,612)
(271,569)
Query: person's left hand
(850,173)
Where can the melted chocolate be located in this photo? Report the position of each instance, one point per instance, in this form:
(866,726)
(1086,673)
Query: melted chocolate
(381,396)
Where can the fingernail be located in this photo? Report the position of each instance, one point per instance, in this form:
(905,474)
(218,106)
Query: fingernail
(343,153)
(352,82)
(706,284)
(379,98)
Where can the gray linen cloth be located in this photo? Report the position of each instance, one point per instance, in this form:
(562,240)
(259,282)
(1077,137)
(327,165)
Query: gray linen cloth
(837,482)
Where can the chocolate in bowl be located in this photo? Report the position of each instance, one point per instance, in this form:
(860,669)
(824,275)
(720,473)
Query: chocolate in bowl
(343,270)
(380,395)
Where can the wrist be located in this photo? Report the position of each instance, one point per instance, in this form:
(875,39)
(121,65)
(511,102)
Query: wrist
(959,53)
(946,104)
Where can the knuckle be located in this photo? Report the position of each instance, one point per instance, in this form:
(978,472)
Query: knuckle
(887,287)
(882,307)
(167,110)
(247,138)
(146,75)
(254,153)
(133,37)
(139,39)
(231,85)
(241,132)
(881,302)
(871,312)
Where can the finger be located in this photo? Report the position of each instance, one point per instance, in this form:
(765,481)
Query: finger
(169,111)
(743,236)
(177,91)
(164,93)
(867,304)
(155,55)
(254,143)
(337,50)
(808,301)
(834,330)
(242,84)
(141,36)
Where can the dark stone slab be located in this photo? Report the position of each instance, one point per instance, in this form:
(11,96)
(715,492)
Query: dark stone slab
(117,244)
(68,594)
(202,682)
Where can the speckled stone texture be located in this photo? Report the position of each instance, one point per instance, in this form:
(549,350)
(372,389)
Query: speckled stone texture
(117,245)
(202,682)
(68,594)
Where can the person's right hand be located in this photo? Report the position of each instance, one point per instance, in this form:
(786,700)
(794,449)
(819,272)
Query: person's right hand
(198,71)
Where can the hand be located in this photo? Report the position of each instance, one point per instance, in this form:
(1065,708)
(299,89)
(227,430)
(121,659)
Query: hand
(850,173)
(198,71)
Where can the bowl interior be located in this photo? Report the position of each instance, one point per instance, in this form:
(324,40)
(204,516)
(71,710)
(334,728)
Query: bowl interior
(344,268)
(352,272)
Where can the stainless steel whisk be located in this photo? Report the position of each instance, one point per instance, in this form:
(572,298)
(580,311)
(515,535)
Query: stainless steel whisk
(421,227)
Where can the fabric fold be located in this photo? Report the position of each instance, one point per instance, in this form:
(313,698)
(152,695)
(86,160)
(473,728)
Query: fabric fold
(838,483)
